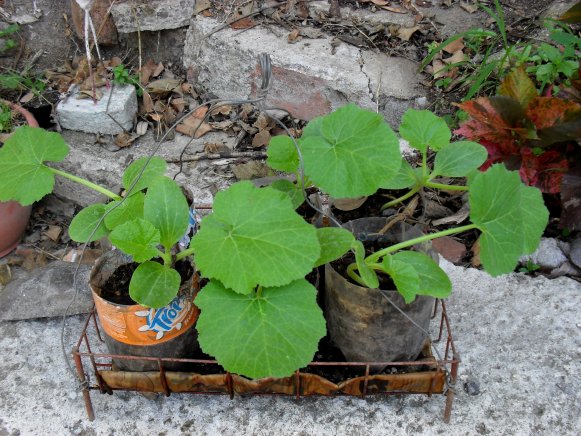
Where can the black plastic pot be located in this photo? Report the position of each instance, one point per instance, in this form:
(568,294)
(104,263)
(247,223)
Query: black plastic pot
(135,330)
(361,321)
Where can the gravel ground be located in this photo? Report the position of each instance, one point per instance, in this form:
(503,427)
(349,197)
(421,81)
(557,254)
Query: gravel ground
(519,339)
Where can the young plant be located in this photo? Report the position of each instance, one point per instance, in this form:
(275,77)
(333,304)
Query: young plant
(259,315)
(510,216)
(144,225)
(121,76)
(6,34)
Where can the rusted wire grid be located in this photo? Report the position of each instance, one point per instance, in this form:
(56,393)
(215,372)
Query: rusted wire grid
(102,363)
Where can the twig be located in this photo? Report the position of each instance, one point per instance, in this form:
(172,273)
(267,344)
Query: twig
(224,155)
(407,213)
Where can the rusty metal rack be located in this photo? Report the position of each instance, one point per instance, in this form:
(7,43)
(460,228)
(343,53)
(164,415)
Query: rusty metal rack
(427,375)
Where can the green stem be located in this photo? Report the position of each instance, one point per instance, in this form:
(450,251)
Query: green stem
(166,256)
(375,256)
(185,253)
(446,187)
(86,183)
(351,273)
(259,291)
(425,164)
(404,197)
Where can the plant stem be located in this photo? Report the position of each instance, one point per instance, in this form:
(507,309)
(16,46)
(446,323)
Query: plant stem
(404,197)
(86,183)
(185,253)
(446,187)
(375,256)
(352,274)
(166,256)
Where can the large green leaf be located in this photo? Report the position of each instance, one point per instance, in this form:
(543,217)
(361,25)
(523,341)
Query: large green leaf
(155,168)
(138,238)
(354,154)
(83,225)
(433,280)
(422,129)
(510,215)
(282,154)
(266,335)
(368,276)
(404,276)
(260,239)
(126,210)
(165,207)
(154,285)
(23,175)
(335,242)
(459,158)
(406,177)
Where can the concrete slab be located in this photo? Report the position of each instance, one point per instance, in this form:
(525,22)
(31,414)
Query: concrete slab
(152,15)
(90,160)
(113,113)
(46,292)
(310,77)
(518,336)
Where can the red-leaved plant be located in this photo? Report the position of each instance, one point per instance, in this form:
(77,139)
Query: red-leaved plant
(538,135)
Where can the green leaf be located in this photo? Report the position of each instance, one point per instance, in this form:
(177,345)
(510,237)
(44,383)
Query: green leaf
(422,129)
(167,209)
(510,216)
(406,177)
(138,238)
(154,169)
(23,175)
(459,158)
(404,276)
(282,154)
(335,242)
(433,280)
(535,217)
(293,190)
(123,211)
(368,276)
(354,154)
(518,85)
(84,223)
(154,285)
(267,335)
(260,238)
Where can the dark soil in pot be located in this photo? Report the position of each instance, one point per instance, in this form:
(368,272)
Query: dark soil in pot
(134,330)
(361,322)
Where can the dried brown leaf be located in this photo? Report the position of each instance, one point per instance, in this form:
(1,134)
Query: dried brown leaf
(115,61)
(202,5)
(179,104)
(147,103)
(469,7)
(158,70)
(263,122)
(459,56)
(405,33)
(261,139)
(27,97)
(223,110)
(163,86)
(215,148)
(347,204)
(454,46)
(53,233)
(394,9)
(125,139)
(293,36)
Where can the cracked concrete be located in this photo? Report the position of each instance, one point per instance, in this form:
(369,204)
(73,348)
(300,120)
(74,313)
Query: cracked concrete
(310,77)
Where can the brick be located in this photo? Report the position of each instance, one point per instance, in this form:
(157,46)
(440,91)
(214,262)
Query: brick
(88,116)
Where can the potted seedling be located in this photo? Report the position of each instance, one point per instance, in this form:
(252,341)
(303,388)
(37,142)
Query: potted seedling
(339,153)
(145,224)
(13,216)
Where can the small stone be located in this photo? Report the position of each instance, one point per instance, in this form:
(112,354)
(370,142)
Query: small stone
(548,255)
(5,274)
(471,387)
(575,252)
(88,116)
